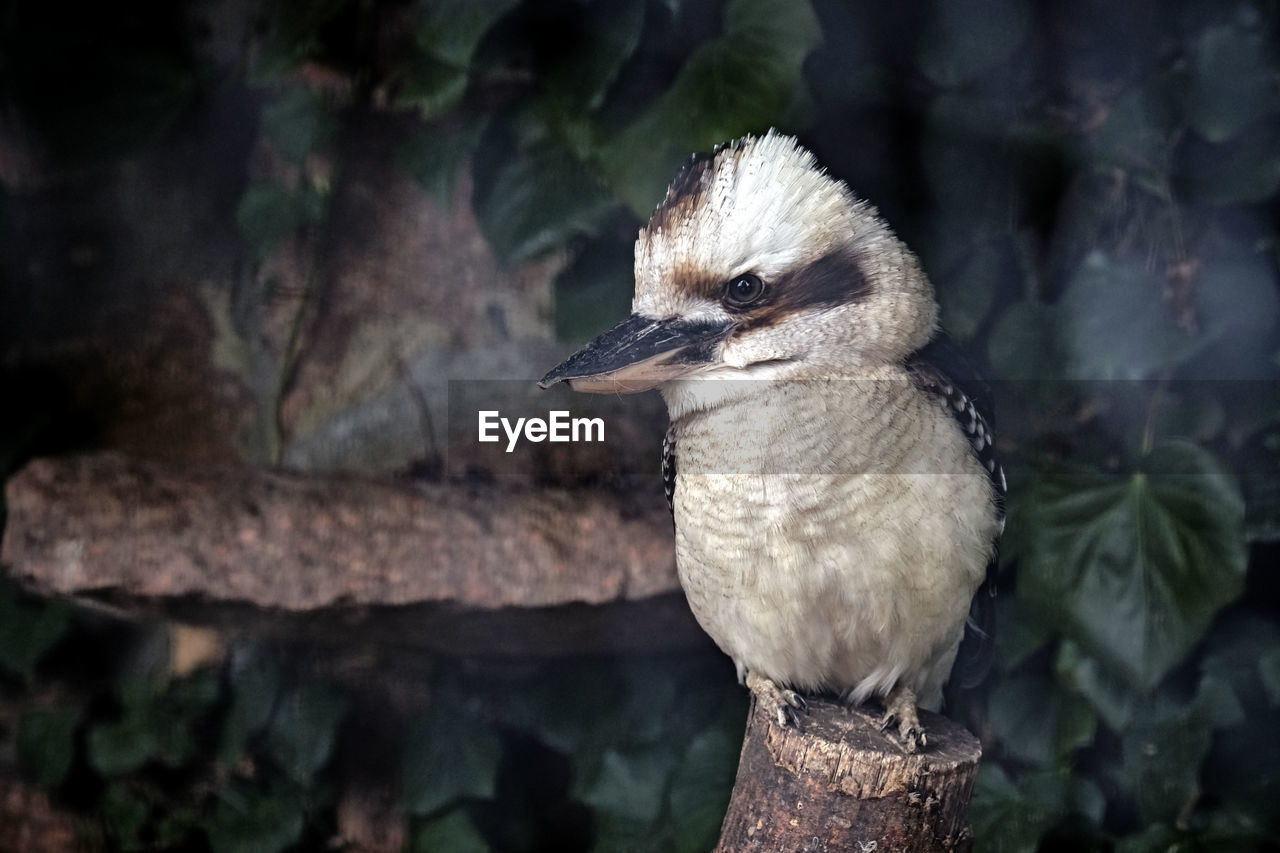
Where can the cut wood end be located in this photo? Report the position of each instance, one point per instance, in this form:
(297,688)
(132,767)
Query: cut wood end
(834,741)
(837,782)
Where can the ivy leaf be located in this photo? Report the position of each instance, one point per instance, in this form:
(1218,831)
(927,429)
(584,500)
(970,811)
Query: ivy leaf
(452,831)
(1243,768)
(1027,344)
(736,83)
(964,38)
(255,684)
(596,47)
(1217,701)
(1162,758)
(1112,697)
(294,35)
(965,297)
(1243,170)
(430,86)
(435,79)
(27,631)
(450,30)
(629,785)
(560,704)
(46,744)
(1227,832)
(435,156)
(1239,295)
(594,290)
(969,155)
(538,200)
(446,756)
(1234,81)
(1134,567)
(1038,721)
(180,707)
(1011,817)
(1192,412)
(1021,633)
(1137,134)
(255,821)
(124,814)
(1115,323)
(268,214)
(297,123)
(304,728)
(700,789)
(123,745)
(1243,655)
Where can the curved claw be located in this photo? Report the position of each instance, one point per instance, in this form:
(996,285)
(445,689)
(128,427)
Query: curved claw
(795,700)
(784,703)
(900,710)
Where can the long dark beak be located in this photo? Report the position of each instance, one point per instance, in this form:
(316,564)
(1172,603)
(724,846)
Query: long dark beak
(639,353)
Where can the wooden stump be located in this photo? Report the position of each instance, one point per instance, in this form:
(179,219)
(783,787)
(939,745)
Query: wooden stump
(838,784)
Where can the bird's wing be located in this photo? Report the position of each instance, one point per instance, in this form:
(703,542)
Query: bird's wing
(669,468)
(943,372)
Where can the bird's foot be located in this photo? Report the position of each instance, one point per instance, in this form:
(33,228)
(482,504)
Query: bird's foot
(783,704)
(900,710)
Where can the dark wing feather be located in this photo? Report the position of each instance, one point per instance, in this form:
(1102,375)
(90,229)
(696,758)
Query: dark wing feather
(669,468)
(942,371)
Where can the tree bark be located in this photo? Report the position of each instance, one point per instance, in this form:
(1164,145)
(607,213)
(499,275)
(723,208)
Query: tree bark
(453,566)
(837,783)
(300,542)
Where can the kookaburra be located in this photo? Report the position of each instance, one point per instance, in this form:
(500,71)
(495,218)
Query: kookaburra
(837,504)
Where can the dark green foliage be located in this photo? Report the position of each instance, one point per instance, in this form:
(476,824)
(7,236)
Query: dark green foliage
(1133,567)
(435,155)
(453,831)
(740,81)
(256,755)
(962,39)
(434,79)
(297,123)
(27,631)
(1233,78)
(540,199)
(699,792)
(46,744)
(301,733)
(1092,187)
(599,283)
(253,821)
(270,213)
(447,758)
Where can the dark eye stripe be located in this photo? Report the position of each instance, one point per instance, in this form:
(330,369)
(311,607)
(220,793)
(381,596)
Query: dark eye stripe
(834,279)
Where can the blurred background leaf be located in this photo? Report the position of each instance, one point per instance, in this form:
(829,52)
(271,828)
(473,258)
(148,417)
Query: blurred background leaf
(445,759)
(27,632)
(1134,567)
(303,729)
(738,82)
(46,744)
(1092,188)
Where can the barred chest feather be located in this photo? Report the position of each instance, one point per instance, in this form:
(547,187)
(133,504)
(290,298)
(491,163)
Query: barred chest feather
(830,534)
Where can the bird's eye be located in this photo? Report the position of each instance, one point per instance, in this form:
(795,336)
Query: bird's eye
(743,290)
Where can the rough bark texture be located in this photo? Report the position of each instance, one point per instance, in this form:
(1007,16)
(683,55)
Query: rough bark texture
(301,543)
(839,784)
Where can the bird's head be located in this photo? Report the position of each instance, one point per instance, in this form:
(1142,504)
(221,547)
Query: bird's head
(759,265)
